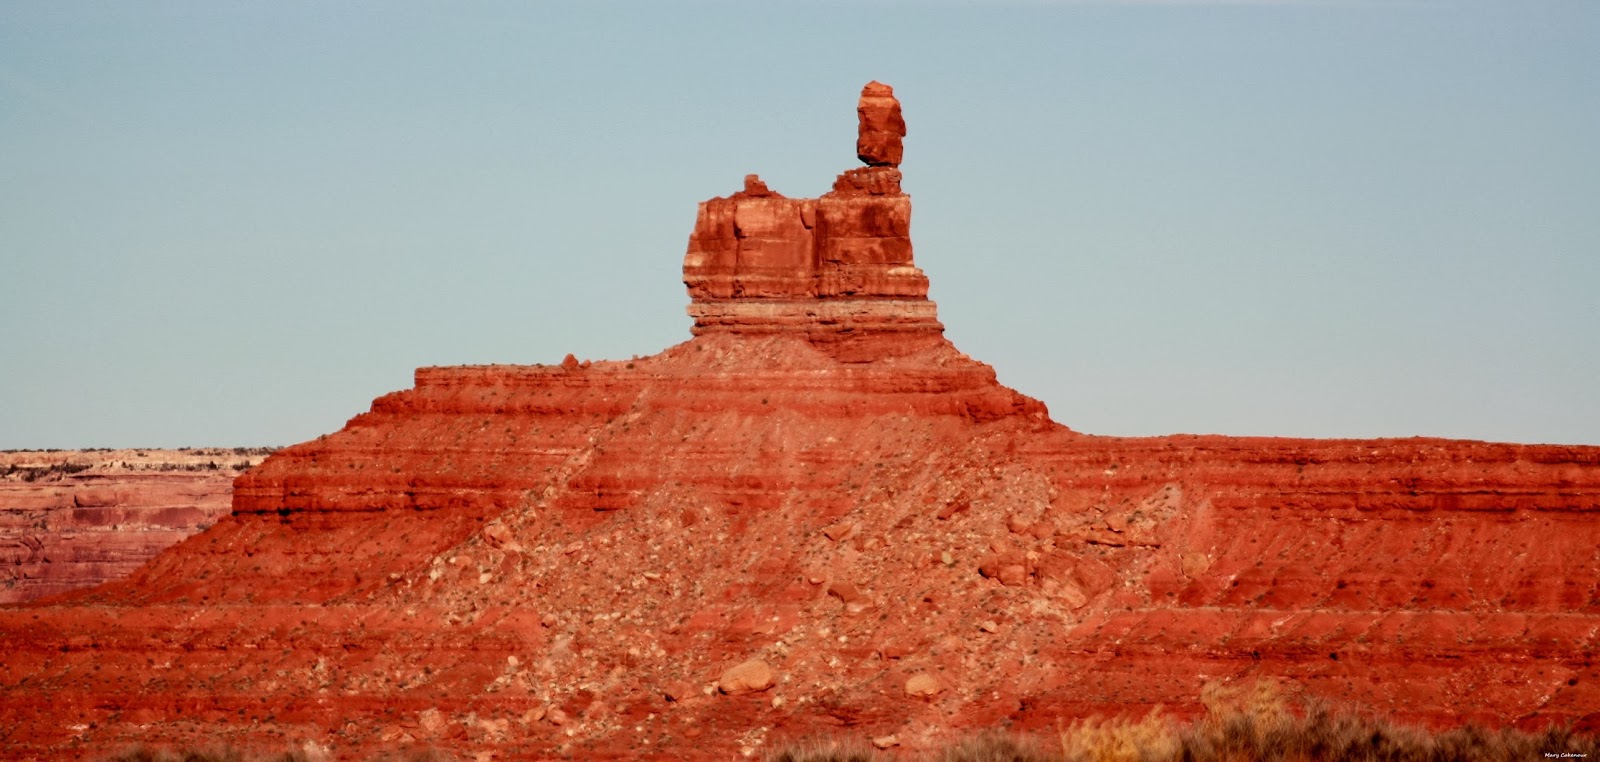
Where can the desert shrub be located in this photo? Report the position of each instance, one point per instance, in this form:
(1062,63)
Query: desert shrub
(150,754)
(995,747)
(229,754)
(415,755)
(51,472)
(1257,722)
(819,750)
(991,746)
(1152,739)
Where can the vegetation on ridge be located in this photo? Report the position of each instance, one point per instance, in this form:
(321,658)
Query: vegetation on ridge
(1249,724)
(56,465)
(1255,724)
(229,754)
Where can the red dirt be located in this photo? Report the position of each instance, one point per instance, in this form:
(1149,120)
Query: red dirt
(527,561)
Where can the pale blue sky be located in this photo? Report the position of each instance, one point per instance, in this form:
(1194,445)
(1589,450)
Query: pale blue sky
(237,223)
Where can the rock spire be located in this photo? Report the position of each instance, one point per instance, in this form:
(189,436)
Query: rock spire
(881,127)
(830,267)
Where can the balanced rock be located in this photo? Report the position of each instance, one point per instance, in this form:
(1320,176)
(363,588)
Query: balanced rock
(880,126)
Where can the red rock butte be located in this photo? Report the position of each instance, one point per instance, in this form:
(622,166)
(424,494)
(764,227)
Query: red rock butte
(816,516)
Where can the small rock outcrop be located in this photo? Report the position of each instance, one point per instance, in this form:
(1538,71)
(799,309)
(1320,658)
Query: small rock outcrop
(751,676)
(923,685)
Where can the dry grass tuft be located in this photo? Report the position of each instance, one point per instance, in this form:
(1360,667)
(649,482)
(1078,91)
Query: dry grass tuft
(825,750)
(1257,723)
(996,747)
(1121,740)
(149,754)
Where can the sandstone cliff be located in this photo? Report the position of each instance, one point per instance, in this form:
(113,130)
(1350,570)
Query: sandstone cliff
(816,515)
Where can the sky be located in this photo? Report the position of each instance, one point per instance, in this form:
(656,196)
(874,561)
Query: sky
(235,224)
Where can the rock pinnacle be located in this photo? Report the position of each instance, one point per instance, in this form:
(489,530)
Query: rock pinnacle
(880,126)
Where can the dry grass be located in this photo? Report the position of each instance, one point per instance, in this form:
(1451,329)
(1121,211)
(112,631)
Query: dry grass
(1258,723)
(1255,723)
(1155,737)
(825,750)
(230,754)
(996,747)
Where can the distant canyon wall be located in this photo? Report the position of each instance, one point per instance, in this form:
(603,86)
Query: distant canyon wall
(76,518)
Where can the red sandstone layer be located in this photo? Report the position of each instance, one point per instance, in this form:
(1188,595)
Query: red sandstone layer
(77,518)
(530,560)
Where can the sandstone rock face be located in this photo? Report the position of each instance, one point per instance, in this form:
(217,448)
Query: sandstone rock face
(534,561)
(73,519)
(881,127)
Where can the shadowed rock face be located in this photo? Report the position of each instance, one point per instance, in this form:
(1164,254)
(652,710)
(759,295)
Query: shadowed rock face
(779,527)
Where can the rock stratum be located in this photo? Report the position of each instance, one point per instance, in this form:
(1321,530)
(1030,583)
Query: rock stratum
(77,518)
(816,516)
